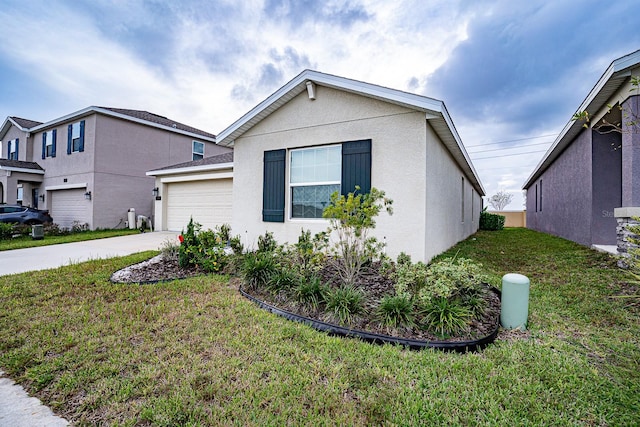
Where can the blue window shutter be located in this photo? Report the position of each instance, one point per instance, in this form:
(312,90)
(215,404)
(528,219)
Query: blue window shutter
(44,145)
(273,186)
(356,166)
(69,138)
(8,149)
(53,145)
(17,147)
(81,148)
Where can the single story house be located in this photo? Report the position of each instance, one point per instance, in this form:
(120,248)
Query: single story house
(591,175)
(321,133)
(89,167)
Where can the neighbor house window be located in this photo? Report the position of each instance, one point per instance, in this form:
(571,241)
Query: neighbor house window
(49,144)
(540,195)
(19,195)
(198,150)
(75,137)
(12,149)
(315,173)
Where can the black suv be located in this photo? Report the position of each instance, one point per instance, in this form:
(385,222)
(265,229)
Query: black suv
(23,215)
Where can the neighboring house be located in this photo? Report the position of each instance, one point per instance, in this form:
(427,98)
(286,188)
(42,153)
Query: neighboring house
(90,166)
(321,133)
(588,173)
(200,189)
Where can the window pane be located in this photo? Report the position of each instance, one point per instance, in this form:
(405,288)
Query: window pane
(198,147)
(75,131)
(310,201)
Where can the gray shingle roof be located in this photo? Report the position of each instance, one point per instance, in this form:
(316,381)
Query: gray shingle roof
(25,123)
(213,160)
(161,120)
(20,164)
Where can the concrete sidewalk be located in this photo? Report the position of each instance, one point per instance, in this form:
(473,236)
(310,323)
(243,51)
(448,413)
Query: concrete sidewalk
(17,409)
(52,256)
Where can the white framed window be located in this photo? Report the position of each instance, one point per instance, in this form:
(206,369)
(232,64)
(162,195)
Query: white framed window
(197,150)
(13,150)
(49,143)
(75,137)
(314,174)
(20,194)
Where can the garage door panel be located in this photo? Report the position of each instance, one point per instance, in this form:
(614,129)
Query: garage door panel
(208,202)
(68,206)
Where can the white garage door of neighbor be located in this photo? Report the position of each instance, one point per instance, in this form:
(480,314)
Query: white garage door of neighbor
(68,206)
(208,202)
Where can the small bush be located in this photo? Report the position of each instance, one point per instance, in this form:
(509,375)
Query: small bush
(344,303)
(6,231)
(410,278)
(236,245)
(267,243)
(403,259)
(79,227)
(53,229)
(282,279)
(452,277)
(395,311)
(446,316)
(257,269)
(169,250)
(491,222)
(310,292)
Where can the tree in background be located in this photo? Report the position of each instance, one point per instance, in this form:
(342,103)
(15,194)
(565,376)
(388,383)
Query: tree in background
(500,200)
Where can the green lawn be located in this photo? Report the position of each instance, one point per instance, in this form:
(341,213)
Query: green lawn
(195,352)
(27,242)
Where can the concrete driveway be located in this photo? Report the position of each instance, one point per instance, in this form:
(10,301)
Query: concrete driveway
(52,256)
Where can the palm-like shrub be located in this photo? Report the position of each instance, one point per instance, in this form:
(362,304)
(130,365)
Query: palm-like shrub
(344,303)
(310,292)
(396,311)
(446,316)
(257,269)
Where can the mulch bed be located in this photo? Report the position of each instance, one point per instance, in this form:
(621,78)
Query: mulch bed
(372,282)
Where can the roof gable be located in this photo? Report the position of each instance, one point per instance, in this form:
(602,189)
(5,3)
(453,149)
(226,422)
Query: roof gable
(22,124)
(435,112)
(609,83)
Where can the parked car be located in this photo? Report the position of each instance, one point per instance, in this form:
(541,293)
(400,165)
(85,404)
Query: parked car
(23,215)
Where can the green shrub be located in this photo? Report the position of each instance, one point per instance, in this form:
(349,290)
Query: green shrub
(351,218)
(236,245)
(257,269)
(79,227)
(445,317)
(282,279)
(204,249)
(492,222)
(267,243)
(410,278)
(397,310)
(451,277)
(310,292)
(169,250)
(344,303)
(403,259)
(6,231)
(53,229)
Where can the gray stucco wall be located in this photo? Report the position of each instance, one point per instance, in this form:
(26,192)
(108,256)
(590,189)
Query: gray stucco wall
(631,154)
(566,194)
(607,187)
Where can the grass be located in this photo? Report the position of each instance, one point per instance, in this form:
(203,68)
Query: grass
(194,352)
(27,242)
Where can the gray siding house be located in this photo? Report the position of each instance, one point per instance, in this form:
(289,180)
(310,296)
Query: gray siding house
(90,166)
(591,175)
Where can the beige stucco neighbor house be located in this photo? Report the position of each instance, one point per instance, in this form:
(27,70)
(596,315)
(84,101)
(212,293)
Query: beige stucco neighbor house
(321,133)
(90,166)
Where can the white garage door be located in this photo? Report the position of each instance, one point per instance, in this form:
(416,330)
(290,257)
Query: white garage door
(68,206)
(208,202)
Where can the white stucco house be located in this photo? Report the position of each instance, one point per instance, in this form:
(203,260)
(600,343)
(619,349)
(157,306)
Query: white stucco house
(321,133)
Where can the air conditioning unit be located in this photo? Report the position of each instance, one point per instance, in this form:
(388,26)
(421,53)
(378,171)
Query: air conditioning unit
(37,232)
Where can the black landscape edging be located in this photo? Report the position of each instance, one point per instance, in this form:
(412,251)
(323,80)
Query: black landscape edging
(458,346)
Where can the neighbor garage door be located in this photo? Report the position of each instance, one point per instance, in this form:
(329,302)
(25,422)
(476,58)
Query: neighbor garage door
(68,206)
(208,202)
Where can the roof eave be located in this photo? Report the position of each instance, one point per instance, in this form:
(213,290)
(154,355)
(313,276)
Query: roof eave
(191,169)
(93,110)
(610,81)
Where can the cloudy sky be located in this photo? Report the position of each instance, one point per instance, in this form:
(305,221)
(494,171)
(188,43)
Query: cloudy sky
(511,73)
